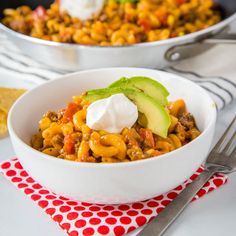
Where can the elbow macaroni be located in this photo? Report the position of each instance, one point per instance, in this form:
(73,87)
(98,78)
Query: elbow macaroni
(71,139)
(118,23)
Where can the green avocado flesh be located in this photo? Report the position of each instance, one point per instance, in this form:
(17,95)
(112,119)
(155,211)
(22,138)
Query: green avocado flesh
(145,84)
(157,118)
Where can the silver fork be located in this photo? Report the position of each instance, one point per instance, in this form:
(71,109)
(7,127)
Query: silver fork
(221,159)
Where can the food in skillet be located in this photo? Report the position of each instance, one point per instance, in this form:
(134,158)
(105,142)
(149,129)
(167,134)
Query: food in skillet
(129,120)
(120,22)
(7,97)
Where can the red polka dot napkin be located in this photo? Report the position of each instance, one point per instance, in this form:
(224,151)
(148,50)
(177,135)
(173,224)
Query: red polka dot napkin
(80,218)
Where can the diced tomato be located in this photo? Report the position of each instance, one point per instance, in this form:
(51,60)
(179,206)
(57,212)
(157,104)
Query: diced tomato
(39,13)
(173,34)
(71,109)
(145,25)
(147,135)
(69,144)
(162,16)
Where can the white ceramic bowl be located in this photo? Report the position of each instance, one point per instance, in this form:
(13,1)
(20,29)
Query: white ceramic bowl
(118,182)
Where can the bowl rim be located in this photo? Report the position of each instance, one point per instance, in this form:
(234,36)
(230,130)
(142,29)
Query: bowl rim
(206,130)
(198,34)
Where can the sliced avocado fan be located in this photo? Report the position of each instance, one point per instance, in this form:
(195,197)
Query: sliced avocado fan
(147,85)
(157,118)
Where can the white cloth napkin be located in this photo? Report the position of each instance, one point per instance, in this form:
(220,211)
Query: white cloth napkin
(214,70)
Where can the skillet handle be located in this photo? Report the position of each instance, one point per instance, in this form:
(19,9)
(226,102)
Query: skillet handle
(187,50)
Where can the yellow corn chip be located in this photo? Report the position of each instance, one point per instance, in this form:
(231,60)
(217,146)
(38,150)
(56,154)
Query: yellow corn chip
(7,97)
(3,123)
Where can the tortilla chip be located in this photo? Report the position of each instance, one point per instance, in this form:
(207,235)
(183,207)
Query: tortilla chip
(7,97)
(3,123)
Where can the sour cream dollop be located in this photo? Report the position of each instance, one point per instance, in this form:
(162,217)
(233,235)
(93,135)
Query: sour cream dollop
(112,114)
(83,9)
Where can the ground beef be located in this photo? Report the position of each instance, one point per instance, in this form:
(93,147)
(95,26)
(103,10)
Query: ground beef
(187,120)
(52,116)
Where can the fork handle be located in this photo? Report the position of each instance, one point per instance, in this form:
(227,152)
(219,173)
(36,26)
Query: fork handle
(159,224)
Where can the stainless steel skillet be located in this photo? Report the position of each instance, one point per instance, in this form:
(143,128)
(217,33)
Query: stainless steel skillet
(157,54)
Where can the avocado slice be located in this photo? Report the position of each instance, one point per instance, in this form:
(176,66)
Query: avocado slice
(157,118)
(147,85)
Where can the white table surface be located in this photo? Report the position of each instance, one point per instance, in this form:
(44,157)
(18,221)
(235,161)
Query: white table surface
(213,215)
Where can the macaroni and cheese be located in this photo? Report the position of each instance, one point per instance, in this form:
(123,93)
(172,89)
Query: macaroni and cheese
(118,23)
(64,134)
